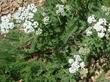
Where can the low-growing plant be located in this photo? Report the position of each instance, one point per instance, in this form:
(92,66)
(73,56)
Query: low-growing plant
(57,42)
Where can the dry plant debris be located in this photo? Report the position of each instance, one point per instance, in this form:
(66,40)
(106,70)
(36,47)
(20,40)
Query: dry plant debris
(10,6)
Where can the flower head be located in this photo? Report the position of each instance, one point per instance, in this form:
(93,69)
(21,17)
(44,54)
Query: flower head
(76,64)
(89,31)
(39,31)
(60,10)
(91,19)
(70,61)
(82,64)
(77,58)
(101,34)
(46,20)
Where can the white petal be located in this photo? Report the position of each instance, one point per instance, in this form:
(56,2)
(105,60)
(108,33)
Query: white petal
(82,64)
(71,70)
(101,35)
(70,61)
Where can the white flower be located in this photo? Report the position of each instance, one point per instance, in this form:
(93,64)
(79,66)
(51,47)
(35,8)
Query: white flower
(101,34)
(101,27)
(91,19)
(35,24)
(10,25)
(104,8)
(39,31)
(25,13)
(23,16)
(108,25)
(33,8)
(67,7)
(89,31)
(46,20)
(21,9)
(82,65)
(98,27)
(60,10)
(30,15)
(6,18)
(72,70)
(70,61)
(102,21)
(109,28)
(74,67)
(4,31)
(77,58)
(27,23)
(6,24)
(29,29)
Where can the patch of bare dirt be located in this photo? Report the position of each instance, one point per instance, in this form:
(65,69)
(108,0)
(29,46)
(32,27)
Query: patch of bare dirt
(10,6)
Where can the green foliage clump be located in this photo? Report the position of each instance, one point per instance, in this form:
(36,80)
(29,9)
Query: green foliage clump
(44,58)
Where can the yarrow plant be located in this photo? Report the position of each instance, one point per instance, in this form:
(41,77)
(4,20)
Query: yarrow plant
(76,63)
(6,24)
(100,27)
(25,13)
(23,17)
(39,41)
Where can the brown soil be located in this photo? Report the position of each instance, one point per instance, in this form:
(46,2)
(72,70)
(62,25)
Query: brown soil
(10,6)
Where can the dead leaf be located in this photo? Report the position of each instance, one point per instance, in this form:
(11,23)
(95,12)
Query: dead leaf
(20,80)
(107,75)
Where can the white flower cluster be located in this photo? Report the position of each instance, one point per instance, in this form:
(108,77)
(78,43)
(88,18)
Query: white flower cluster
(46,20)
(106,10)
(6,24)
(39,31)
(29,26)
(60,10)
(25,13)
(99,26)
(91,19)
(76,63)
(24,16)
